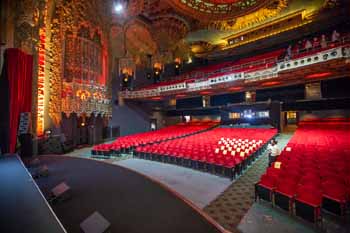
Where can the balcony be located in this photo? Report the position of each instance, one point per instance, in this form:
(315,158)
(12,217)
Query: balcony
(249,72)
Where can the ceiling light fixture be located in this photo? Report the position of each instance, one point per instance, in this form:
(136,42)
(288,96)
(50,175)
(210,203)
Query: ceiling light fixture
(118,8)
(120,5)
(265,84)
(235,88)
(318,75)
(180,95)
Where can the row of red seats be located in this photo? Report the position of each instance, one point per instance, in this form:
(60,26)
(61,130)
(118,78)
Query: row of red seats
(312,172)
(221,150)
(125,143)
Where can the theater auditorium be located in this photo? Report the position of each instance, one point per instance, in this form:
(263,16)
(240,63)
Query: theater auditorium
(193,116)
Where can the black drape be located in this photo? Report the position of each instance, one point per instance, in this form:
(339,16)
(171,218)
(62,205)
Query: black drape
(4,108)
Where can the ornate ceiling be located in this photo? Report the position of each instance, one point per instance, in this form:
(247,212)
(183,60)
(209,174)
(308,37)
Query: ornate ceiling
(186,28)
(210,10)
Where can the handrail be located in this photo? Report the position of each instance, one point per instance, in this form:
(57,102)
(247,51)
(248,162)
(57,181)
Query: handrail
(304,52)
(268,62)
(202,74)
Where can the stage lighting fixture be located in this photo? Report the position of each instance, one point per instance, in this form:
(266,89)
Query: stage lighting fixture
(189,60)
(119,6)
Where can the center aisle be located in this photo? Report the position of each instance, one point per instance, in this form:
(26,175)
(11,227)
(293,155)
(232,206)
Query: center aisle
(230,207)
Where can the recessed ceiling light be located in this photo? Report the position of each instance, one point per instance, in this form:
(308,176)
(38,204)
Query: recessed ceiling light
(318,75)
(235,88)
(270,83)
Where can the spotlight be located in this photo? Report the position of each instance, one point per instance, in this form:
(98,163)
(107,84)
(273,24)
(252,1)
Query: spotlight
(189,60)
(118,7)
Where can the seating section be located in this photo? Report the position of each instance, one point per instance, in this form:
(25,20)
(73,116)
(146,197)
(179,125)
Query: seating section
(313,171)
(224,151)
(318,43)
(126,143)
(250,64)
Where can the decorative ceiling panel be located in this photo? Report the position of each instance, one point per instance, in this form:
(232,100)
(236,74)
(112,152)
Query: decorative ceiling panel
(209,10)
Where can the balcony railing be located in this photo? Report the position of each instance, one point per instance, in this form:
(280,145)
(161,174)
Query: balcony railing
(249,72)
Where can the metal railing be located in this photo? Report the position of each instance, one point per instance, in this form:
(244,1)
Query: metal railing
(266,61)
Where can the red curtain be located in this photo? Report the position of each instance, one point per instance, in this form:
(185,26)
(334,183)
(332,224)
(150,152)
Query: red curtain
(19,73)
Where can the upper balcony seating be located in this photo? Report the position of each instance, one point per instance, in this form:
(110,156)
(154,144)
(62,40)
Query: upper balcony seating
(125,143)
(316,164)
(224,151)
(243,65)
(253,63)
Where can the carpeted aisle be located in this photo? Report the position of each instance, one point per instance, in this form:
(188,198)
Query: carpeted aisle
(230,207)
(131,202)
(199,187)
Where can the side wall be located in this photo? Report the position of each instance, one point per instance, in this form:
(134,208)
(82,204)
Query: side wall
(129,120)
(336,113)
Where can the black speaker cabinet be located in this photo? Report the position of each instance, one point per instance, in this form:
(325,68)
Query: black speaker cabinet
(26,141)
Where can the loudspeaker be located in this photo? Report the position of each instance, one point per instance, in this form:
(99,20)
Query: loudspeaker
(26,141)
(95,223)
(61,192)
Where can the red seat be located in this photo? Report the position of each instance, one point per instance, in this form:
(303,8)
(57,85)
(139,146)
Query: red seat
(308,202)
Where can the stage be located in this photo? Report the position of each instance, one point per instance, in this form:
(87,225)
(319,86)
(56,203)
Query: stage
(130,201)
(22,206)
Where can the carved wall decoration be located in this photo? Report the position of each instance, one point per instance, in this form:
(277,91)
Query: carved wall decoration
(139,42)
(26,25)
(41,70)
(54,26)
(55,73)
(169,30)
(84,82)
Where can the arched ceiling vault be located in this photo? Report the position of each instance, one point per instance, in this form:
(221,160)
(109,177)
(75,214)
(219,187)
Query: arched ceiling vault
(184,27)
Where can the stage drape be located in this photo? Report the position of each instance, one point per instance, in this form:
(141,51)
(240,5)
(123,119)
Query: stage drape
(19,72)
(5,109)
